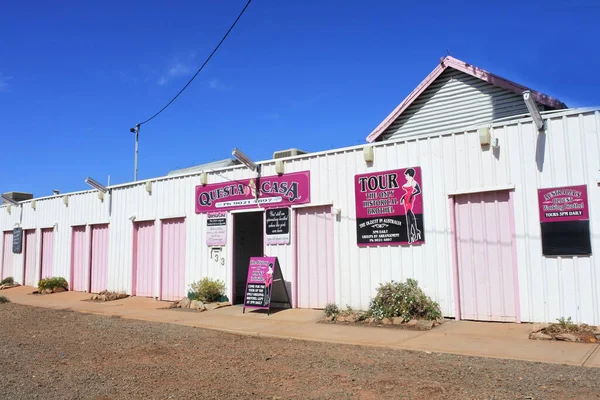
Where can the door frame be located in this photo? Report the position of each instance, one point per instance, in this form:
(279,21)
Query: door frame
(455,268)
(294,242)
(231,251)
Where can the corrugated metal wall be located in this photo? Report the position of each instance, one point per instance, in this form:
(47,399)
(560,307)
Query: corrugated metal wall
(455,101)
(568,153)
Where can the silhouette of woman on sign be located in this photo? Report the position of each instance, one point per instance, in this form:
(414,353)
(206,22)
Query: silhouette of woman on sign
(412,189)
(268,283)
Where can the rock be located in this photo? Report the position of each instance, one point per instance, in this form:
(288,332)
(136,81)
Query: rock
(341,318)
(202,309)
(386,321)
(597,337)
(539,336)
(196,304)
(397,320)
(412,322)
(102,297)
(424,325)
(185,303)
(567,337)
(372,320)
(593,340)
(47,291)
(223,304)
(94,297)
(174,305)
(210,306)
(59,289)
(539,327)
(351,318)
(122,295)
(440,321)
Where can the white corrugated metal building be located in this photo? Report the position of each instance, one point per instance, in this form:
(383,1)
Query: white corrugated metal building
(480,257)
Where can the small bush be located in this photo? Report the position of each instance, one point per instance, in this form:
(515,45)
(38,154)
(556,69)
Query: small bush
(51,283)
(331,310)
(7,281)
(207,290)
(406,300)
(4,300)
(567,325)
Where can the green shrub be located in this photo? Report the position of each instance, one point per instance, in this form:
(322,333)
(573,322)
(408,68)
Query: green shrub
(406,300)
(51,283)
(4,300)
(207,290)
(7,281)
(331,310)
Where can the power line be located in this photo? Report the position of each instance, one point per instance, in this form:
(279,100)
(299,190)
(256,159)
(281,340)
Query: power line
(202,67)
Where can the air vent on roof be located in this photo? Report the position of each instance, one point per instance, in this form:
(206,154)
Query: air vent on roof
(288,153)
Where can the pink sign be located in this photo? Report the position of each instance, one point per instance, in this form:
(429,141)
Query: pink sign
(389,207)
(568,203)
(267,191)
(260,282)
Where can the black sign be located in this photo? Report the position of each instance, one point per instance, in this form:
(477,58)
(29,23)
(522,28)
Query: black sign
(255,295)
(390,230)
(216,222)
(278,221)
(567,238)
(17,240)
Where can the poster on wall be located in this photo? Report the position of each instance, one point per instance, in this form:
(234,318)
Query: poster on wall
(389,207)
(277,227)
(565,221)
(17,246)
(266,191)
(216,228)
(265,284)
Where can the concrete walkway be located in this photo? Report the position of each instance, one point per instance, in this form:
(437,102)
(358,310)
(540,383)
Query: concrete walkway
(481,339)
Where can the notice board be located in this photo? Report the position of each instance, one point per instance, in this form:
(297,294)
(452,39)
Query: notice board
(17,246)
(389,207)
(277,227)
(216,228)
(565,221)
(265,284)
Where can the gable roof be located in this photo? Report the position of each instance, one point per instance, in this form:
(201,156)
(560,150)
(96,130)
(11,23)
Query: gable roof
(451,62)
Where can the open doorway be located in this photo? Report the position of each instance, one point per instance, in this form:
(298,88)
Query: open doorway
(247,242)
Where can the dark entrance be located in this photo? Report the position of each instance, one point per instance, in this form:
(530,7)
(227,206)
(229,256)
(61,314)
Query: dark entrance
(247,242)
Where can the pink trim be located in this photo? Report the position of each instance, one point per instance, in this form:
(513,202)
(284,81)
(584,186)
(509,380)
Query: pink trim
(136,229)
(513,232)
(295,257)
(454,258)
(469,69)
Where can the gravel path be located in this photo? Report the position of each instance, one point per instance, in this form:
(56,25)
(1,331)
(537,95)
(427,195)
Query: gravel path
(67,355)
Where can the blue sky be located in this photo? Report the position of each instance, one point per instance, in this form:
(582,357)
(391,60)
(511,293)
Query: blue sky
(311,74)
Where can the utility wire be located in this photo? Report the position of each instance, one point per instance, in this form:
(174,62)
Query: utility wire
(202,67)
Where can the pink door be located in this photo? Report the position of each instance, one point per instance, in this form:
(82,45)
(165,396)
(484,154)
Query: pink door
(485,250)
(143,259)
(316,285)
(172,271)
(99,258)
(79,270)
(47,252)
(7,255)
(30,259)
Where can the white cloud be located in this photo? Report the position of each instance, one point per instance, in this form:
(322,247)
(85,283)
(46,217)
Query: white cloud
(176,70)
(4,83)
(216,84)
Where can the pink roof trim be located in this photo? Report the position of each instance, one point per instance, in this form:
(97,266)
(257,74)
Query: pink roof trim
(472,70)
